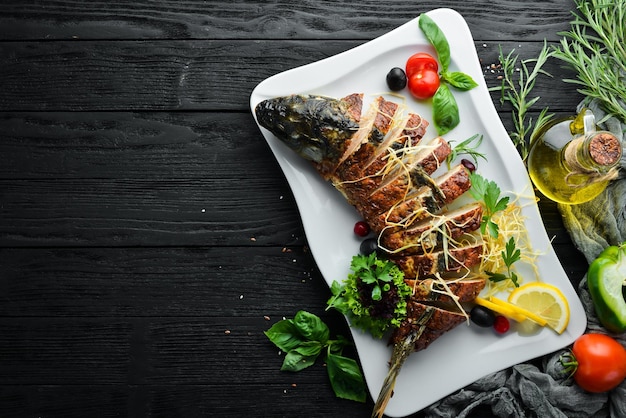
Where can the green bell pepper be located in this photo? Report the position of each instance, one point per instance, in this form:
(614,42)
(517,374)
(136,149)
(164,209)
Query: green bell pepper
(606,278)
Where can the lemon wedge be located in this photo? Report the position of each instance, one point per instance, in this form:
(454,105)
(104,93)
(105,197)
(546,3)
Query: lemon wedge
(544,301)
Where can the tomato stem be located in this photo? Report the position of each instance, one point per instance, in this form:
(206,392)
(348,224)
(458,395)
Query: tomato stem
(569,363)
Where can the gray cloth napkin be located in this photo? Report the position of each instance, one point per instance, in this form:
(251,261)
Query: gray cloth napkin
(545,391)
(595,225)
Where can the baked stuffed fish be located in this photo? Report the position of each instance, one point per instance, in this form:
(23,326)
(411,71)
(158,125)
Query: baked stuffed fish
(377,159)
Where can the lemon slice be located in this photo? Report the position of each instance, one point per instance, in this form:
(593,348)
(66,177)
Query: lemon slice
(545,301)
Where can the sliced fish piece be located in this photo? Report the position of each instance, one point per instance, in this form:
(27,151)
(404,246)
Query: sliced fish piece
(452,259)
(431,232)
(421,204)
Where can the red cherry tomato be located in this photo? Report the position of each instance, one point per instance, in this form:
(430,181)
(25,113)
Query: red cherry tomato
(420,61)
(600,362)
(424,84)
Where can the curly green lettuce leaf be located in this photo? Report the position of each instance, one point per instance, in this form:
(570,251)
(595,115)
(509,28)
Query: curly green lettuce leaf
(374,295)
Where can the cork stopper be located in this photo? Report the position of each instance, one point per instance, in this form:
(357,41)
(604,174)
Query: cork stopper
(605,149)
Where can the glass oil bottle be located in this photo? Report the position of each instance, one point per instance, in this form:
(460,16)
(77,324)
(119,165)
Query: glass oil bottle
(571,162)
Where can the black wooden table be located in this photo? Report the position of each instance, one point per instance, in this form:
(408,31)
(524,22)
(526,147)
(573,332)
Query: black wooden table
(147,234)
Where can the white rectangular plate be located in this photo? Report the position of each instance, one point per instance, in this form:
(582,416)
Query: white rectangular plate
(466,353)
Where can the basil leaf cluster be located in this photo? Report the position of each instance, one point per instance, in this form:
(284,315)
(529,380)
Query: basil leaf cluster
(303,339)
(445,109)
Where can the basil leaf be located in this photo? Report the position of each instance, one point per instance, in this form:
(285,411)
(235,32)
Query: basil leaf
(295,361)
(284,335)
(445,110)
(346,378)
(460,81)
(309,348)
(302,356)
(436,37)
(337,346)
(311,326)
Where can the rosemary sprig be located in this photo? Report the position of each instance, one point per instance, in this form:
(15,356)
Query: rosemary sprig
(469,146)
(517,93)
(594,48)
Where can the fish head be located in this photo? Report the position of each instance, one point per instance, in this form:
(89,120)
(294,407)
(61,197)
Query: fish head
(316,127)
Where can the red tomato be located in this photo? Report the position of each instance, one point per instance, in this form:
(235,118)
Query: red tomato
(420,61)
(423,84)
(601,362)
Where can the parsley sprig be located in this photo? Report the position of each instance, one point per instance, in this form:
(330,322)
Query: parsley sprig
(303,339)
(510,255)
(377,274)
(488,192)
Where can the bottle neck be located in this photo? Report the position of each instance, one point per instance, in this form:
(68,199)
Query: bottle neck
(595,156)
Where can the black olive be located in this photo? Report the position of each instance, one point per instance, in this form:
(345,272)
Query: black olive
(396,79)
(368,246)
(482,316)
(468,164)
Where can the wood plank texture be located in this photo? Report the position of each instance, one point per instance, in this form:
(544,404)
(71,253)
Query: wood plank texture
(147,235)
(284,399)
(151,212)
(170,19)
(134,145)
(164,282)
(187,75)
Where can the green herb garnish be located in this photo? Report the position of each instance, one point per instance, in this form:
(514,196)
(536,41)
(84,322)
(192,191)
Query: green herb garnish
(488,192)
(594,48)
(510,255)
(517,93)
(445,109)
(466,147)
(303,339)
(437,39)
(373,297)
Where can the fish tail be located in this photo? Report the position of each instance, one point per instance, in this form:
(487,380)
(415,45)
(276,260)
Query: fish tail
(401,352)
(397,360)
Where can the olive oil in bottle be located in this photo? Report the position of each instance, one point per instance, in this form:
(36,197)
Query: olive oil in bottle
(570,162)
